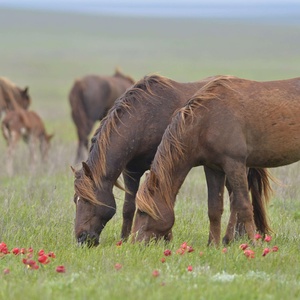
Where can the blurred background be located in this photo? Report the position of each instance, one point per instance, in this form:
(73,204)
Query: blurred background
(46,45)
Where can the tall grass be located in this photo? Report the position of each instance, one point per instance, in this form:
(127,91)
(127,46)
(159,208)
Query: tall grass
(47,51)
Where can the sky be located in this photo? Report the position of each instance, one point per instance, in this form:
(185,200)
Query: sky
(188,8)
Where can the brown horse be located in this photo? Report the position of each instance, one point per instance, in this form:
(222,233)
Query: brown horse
(90,98)
(126,141)
(28,125)
(230,125)
(12,96)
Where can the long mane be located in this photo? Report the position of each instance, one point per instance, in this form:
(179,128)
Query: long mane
(171,150)
(141,91)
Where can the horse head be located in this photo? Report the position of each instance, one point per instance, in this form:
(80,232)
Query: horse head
(25,98)
(91,214)
(154,219)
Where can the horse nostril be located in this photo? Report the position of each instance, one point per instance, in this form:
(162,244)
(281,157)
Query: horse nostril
(82,237)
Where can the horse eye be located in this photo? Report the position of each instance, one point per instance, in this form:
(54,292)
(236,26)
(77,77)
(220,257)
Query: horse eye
(76,199)
(142,213)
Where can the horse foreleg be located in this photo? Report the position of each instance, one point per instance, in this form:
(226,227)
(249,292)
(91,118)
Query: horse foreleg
(12,141)
(215,186)
(132,181)
(240,206)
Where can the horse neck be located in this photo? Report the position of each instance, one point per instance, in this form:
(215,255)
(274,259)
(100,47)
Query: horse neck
(170,183)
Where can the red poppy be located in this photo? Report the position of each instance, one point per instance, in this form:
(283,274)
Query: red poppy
(258,236)
(41,252)
(43,259)
(266,251)
(155,273)
(118,266)
(119,243)
(190,249)
(23,251)
(3,248)
(224,250)
(16,251)
(167,252)
(268,238)
(163,259)
(275,249)
(190,268)
(244,246)
(249,253)
(51,254)
(60,269)
(6,271)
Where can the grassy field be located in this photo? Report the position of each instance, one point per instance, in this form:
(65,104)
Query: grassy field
(47,51)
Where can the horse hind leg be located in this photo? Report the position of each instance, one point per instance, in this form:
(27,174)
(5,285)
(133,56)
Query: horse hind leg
(240,206)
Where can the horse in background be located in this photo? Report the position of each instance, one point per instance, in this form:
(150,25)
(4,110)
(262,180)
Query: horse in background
(29,126)
(232,124)
(126,141)
(12,96)
(90,98)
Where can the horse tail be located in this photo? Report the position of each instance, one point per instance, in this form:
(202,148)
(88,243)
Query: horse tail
(76,99)
(261,191)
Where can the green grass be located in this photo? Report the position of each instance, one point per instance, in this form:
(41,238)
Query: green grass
(47,52)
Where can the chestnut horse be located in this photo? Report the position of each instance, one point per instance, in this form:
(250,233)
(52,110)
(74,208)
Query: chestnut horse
(28,125)
(126,141)
(11,96)
(90,98)
(232,124)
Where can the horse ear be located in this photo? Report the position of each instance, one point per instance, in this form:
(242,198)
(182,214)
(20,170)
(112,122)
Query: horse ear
(87,170)
(73,170)
(50,136)
(25,91)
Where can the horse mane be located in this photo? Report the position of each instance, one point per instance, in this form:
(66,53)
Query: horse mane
(10,91)
(171,150)
(119,73)
(141,91)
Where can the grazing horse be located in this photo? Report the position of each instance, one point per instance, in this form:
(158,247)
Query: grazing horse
(126,141)
(28,125)
(12,96)
(90,98)
(230,125)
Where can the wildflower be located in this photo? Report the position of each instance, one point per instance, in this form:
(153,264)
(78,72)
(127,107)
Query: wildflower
(190,249)
(51,254)
(6,271)
(244,246)
(266,251)
(155,273)
(167,252)
(224,250)
(180,251)
(268,238)
(43,259)
(249,253)
(31,264)
(23,251)
(258,236)
(190,268)
(119,243)
(16,251)
(41,252)
(184,245)
(118,266)
(275,249)
(201,253)
(60,269)
(3,248)
(163,259)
